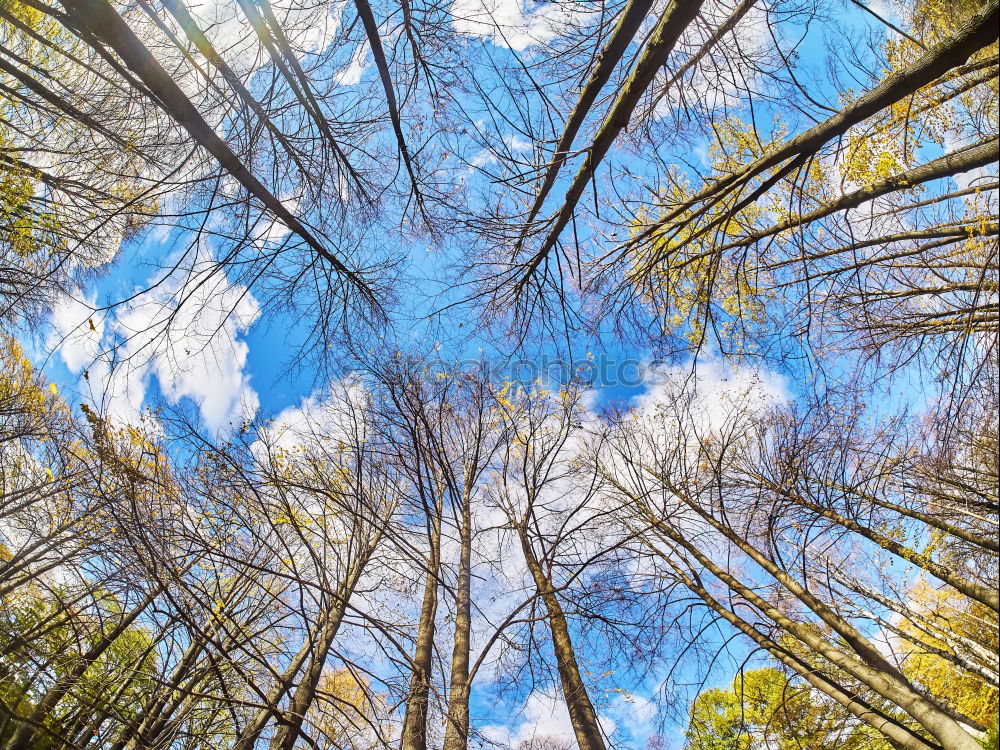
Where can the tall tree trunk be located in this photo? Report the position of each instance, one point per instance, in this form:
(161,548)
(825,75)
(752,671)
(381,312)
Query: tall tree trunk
(887,683)
(674,19)
(899,734)
(315,651)
(456,735)
(288,732)
(156,704)
(101,19)
(414,734)
(582,714)
(977,32)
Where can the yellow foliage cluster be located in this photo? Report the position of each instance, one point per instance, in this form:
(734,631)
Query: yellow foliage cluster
(945,614)
(680,277)
(347,710)
(35,215)
(20,387)
(887,144)
(22,226)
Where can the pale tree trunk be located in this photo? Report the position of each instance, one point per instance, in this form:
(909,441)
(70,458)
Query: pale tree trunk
(288,732)
(314,650)
(897,733)
(886,683)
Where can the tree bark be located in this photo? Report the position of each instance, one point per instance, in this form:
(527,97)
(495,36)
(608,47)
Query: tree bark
(414,733)
(891,728)
(582,714)
(887,683)
(456,735)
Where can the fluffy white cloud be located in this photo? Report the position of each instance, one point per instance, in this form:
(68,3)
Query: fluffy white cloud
(980,175)
(636,717)
(76,331)
(185,330)
(187,334)
(712,81)
(889,9)
(333,415)
(720,391)
(517,24)
(542,715)
(308,26)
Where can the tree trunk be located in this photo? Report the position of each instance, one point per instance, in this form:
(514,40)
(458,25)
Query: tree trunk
(888,684)
(581,711)
(897,733)
(456,736)
(414,734)
(288,732)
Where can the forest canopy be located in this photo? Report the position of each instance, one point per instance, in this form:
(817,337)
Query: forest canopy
(508,374)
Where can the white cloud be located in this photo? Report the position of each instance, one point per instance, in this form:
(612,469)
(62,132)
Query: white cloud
(636,716)
(684,406)
(309,27)
(980,175)
(746,49)
(517,24)
(717,386)
(889,10)
(188,334)
(76,331)
(119,392)
(517,144)
(269,231)
(185,330)
(327,416)
(351,75)
(542,715)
